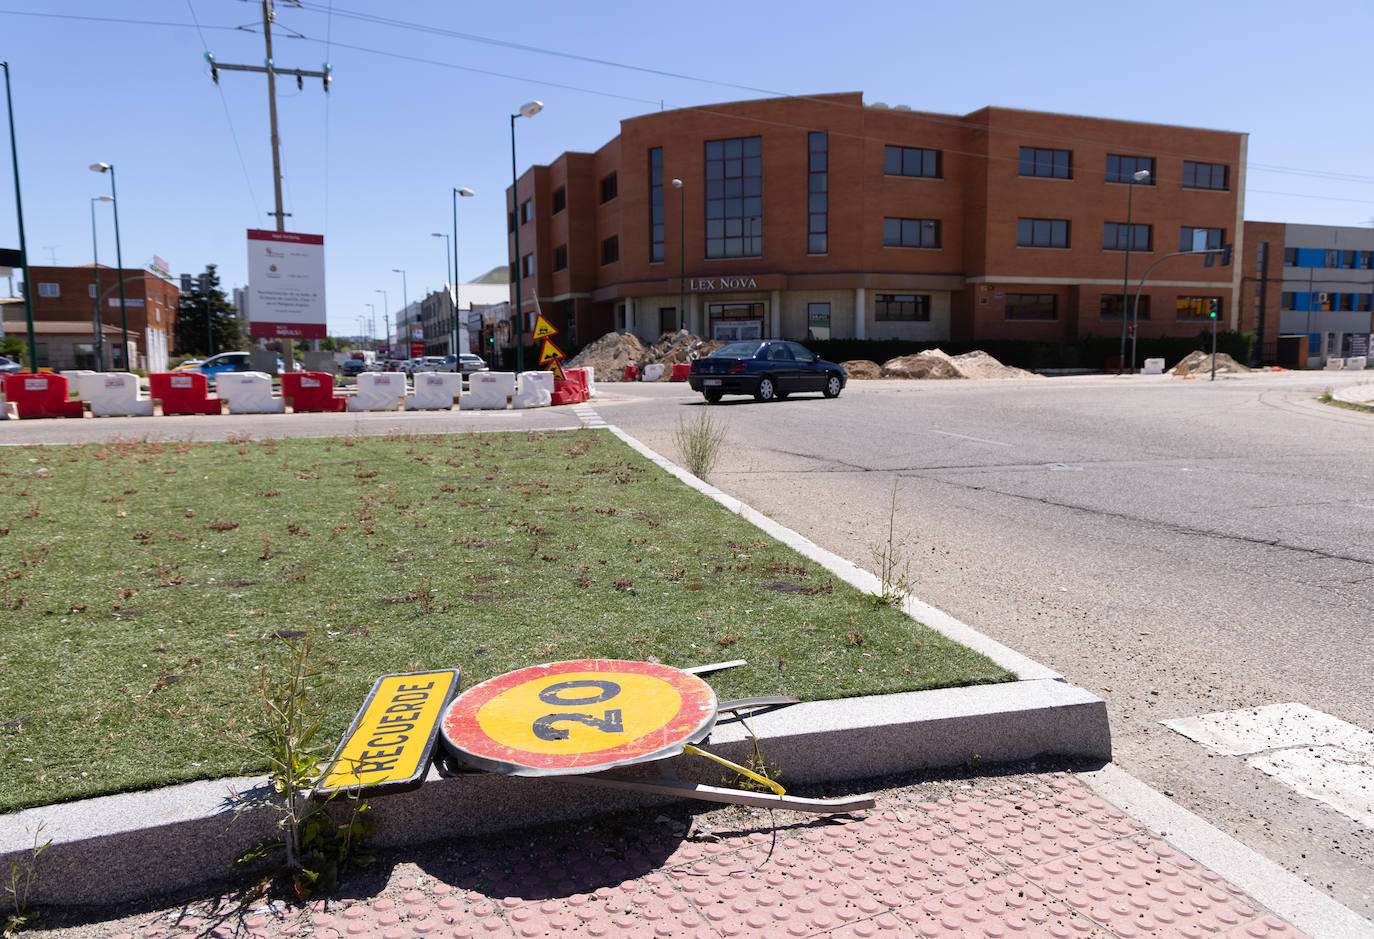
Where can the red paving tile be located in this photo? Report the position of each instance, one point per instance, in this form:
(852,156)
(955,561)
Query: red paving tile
(1038,856)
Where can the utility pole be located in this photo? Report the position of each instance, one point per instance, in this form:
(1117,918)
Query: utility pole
(270,69)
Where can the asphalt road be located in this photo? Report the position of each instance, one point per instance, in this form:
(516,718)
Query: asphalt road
(1178,547)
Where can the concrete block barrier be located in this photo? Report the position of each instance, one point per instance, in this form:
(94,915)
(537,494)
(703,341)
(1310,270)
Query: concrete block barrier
(1356,363)
(1335,365)
(248,393)
(435,391)
(379,391)
(533,390)
(488,391)
(113,394)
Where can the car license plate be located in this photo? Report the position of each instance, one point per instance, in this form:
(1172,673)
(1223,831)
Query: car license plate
(711,381)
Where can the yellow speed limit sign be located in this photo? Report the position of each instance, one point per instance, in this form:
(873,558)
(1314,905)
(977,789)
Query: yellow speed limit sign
(577,717)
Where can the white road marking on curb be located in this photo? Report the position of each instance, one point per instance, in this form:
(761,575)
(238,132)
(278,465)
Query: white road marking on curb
(588,416)
(1315,754)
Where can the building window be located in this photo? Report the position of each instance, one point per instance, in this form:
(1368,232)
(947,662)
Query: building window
(608,189)
(48,290)
(526,211)
(91,289)
(907,307)
(610,249)
(510,221)
(560,257)
(1117,236)
(1122,169)
(667,319)
(1204,175)
(1042,232)
(817,193)
(818,320)
(911,232)
(527,269)
(1198,308)
(1287,300)
(1111,306)
(1365,261)
(1032,306)
(912,161)
(1200,239)
(734,198)
(560,199)
(1055,164)
(1290,257)
(656,204)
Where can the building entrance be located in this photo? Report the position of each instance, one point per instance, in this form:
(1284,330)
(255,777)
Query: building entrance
(733,321)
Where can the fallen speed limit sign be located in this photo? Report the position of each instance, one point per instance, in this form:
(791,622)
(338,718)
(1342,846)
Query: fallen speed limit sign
(577,717)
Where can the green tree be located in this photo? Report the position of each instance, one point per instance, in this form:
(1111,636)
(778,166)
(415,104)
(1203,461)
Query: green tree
(206,321)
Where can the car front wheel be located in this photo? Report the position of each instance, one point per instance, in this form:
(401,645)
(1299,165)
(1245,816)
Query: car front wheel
(833,386)
(767,390)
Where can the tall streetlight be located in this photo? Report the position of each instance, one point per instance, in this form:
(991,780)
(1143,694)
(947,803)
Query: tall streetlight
(1139,176)
(405,309)
(119,260)
(466,192)
(19,211)
(95,261)
(529,109)
(371,322)
(681,253)
(452,304)
(386,317)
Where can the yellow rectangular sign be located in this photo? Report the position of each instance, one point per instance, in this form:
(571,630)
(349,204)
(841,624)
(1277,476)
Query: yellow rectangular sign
(391,742)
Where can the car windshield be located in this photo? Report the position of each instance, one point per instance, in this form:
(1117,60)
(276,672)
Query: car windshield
(738,350)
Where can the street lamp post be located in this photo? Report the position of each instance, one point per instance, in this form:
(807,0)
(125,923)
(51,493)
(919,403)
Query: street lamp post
(98,325)
(405,310)
(681,253)
(452,307)
(19,211)
(465,192)
(119,260)
(386,317)
(1139,176)
(529,109)
(371,323)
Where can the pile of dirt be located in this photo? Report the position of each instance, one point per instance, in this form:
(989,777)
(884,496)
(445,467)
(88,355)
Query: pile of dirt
(610,354)
(1196,362)
(681,346)
(936,364)
(862,369)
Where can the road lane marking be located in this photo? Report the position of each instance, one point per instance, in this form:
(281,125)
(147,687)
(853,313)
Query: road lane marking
(994,443)
(1315,754)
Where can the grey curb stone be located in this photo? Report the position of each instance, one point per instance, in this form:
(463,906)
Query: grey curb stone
(124,847)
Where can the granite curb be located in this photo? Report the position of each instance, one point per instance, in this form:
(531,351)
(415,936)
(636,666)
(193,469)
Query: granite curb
(1362,394)
(149,843)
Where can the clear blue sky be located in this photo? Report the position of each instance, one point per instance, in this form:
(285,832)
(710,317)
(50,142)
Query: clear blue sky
(422,104)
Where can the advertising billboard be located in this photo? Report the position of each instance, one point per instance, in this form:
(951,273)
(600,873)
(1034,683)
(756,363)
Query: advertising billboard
(285,285)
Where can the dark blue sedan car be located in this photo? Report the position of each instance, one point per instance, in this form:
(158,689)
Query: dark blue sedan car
(768,369)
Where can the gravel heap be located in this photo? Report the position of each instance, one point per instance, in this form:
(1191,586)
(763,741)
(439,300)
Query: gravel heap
(934,363)
(1196,362)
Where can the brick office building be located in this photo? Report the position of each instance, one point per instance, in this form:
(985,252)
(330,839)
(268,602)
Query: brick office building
(64,301)
(820,216)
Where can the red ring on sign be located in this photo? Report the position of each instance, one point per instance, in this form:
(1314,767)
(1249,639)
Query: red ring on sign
(465,738)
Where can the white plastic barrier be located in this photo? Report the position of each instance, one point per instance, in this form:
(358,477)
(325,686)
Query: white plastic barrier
(533,390)
(489,390)
(1335,365)
(1355,362)
(379,391)
(591,380)
(9,411)
(653,372)
(248,393)
(1153,367)
(435,391)
(113,394)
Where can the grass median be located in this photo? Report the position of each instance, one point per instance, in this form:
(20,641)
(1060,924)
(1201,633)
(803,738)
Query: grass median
(144,584)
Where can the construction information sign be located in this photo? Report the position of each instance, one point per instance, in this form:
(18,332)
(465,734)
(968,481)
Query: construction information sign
(578,717)
(285,285)
(391,741)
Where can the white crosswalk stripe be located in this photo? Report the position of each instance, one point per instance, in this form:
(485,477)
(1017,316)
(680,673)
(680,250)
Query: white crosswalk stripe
(588,416)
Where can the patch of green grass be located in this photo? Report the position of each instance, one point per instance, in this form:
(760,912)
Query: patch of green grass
(143,585)
(1328,398)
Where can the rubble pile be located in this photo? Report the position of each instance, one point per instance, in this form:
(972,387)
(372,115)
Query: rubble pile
(612,352)
(681,346)
(1195,362)
(936,364)
(862,369)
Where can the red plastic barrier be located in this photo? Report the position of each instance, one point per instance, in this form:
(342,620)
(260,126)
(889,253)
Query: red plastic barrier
(631,373)
(42,395)
(681,371)
(183,393)
(311,391)
(572,391)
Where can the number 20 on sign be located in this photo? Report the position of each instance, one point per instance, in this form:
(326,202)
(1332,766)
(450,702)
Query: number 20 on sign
(577,717)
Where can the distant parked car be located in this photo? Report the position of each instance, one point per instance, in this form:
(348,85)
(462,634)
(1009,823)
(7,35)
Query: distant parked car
(229,362)
(768,369)
(189,365)
(467,363)
(426,363)
(9,366)
(352,367)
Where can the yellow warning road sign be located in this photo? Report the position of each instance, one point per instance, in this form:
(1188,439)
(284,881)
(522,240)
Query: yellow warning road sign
(550,352)
(557,368)
(542,328)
